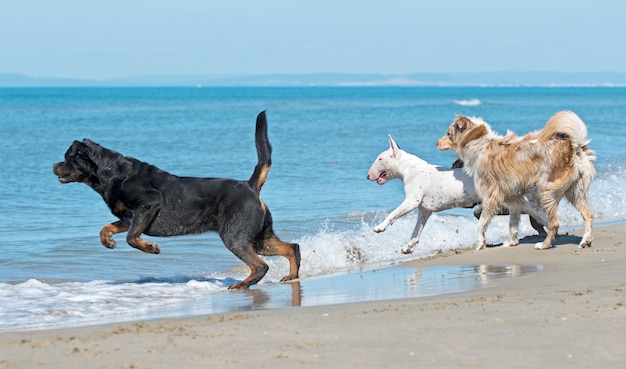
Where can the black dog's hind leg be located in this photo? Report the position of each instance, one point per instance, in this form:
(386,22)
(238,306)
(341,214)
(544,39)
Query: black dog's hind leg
(273,246)
(245,252)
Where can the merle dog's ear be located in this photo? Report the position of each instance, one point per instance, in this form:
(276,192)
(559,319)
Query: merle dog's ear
(461,122)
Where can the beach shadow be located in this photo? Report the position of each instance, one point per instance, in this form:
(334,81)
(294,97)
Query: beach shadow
(177,279)
(561,239)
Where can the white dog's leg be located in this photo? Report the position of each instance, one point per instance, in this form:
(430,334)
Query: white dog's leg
(514,216)
(422,218)
(402,209)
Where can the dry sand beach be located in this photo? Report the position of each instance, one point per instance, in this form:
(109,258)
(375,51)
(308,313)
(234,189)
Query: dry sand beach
(570,315)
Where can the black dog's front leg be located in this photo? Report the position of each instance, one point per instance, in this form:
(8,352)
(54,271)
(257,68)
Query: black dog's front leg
(142,217)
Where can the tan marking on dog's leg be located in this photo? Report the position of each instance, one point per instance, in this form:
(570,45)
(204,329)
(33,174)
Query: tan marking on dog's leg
(274,246)
(107,232)
(258,269)
(145,246)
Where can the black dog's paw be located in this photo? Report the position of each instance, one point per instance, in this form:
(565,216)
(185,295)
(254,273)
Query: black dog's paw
(106,238)
(151,248)
(145,246)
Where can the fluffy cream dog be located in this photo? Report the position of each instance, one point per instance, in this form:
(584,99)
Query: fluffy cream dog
(556,159)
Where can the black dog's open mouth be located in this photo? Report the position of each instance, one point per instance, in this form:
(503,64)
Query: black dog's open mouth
(64,176)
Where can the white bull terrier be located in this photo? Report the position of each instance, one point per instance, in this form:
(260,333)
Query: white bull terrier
(431,188)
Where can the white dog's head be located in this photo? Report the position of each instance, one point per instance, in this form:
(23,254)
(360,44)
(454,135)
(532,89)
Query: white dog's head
(384,167)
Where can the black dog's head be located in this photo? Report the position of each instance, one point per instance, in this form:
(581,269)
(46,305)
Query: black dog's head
(79,164)
(92,164)
(88,162)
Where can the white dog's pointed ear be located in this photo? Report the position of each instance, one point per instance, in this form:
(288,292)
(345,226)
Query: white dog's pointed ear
(393,145)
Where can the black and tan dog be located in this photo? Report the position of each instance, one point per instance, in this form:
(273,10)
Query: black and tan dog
(151,201)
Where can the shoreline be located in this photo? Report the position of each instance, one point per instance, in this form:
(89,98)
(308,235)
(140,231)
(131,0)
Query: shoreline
(573,314)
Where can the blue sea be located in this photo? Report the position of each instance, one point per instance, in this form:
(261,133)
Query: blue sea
(55,273)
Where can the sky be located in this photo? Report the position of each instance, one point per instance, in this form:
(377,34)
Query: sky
(104,39)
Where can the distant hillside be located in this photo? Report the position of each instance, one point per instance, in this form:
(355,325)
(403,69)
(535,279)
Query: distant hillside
(333,79)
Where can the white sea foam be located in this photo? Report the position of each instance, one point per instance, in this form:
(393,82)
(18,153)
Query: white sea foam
(469,102)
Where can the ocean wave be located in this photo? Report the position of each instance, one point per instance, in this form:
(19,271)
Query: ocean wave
(470,102)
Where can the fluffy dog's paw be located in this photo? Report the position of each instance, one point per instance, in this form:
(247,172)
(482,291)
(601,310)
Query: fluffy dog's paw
(511,243)
(480,246)
(542,246)
(407,250)
(585,243)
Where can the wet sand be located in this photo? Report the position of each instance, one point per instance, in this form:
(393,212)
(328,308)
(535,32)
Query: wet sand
(559,308)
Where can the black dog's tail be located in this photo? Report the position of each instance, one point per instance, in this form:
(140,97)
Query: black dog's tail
(264,153)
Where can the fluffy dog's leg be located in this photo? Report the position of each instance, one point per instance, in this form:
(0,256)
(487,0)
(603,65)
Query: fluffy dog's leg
(488,212)
(405,207)
(580,203)
(107,232)
(551,199)
(422,218)
(514,216)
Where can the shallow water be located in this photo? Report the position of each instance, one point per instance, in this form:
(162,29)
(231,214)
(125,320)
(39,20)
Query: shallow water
(387,283)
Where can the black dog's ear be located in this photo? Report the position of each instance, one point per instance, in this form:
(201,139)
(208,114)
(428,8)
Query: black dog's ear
(91,149)
(90,143)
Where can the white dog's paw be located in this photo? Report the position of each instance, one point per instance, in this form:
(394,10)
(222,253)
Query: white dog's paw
(380,228)
(407,249)
(480,246)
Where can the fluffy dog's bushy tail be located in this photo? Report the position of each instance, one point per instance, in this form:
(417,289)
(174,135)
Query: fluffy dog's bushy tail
(264,153)
(567,125)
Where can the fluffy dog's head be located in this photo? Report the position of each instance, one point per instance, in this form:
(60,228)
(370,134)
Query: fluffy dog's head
(382,168)
(461,132)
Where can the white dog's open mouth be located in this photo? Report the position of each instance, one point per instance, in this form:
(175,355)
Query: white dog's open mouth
(382,178)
